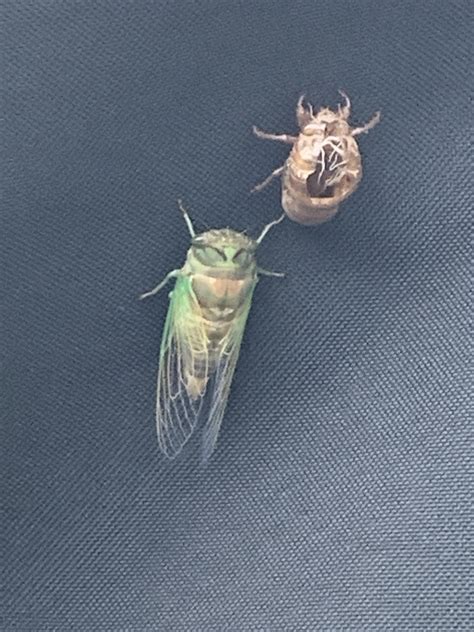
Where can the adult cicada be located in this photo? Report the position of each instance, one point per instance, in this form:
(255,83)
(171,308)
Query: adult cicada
(203,331)
(324,166)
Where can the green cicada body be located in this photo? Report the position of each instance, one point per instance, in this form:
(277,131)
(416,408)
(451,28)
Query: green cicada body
(203,332)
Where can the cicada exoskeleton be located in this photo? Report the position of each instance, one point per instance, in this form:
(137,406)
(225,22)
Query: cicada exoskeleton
(324,166)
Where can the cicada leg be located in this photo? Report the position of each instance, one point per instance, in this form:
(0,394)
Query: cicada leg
(345,110)
(270,273)
(171,275)
(283,138)
(274,174)
(268,226)
(187,219)
(365,128)
(303,114)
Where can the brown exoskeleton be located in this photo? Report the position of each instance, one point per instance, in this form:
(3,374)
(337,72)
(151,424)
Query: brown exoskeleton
(324,166)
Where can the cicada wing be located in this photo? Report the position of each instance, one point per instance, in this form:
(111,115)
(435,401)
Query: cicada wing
(222,379)
(183,370)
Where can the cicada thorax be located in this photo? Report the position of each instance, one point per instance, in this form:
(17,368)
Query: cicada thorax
(320,173)
(221,300)
(220,295)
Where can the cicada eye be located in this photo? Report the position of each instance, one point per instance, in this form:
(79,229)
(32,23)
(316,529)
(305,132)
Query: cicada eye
(208,255)
(242,257)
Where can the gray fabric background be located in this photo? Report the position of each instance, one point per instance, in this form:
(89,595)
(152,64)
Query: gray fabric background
(338,496)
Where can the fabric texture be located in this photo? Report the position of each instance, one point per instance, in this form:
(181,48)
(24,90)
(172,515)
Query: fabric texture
(339,494)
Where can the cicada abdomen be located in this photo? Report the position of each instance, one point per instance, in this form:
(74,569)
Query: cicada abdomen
(324,166)
(206,319)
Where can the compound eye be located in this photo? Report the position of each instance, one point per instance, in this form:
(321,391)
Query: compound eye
(208,255)
(242,257)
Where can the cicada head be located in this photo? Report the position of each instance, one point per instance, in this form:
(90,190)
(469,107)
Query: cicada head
(325,123)
(223,249)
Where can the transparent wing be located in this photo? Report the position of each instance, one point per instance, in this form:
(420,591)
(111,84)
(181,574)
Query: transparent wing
(222,379)
(183,370)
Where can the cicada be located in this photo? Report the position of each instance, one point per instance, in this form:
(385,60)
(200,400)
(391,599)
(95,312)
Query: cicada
(202,334)
(324,166)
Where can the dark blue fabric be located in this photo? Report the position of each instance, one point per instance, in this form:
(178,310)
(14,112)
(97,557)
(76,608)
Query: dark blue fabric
(338,496)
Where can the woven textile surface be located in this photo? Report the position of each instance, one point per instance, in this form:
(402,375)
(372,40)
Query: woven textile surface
(338,495)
